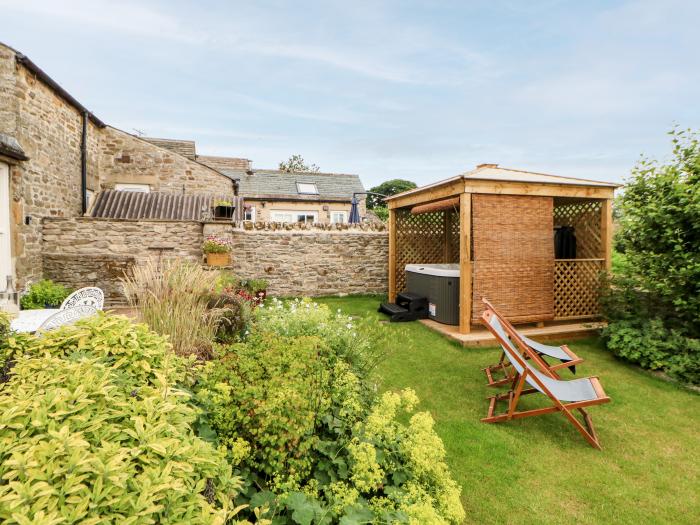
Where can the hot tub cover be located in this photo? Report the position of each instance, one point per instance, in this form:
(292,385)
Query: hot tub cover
(440,270)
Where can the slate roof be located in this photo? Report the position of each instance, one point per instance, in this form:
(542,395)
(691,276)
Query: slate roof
(186,148)
(224,163)
(281,185)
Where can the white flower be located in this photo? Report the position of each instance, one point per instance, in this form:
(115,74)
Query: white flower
(349,325)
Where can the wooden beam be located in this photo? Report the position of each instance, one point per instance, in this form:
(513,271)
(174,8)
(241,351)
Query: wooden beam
(465,266)
(445,204)
(606,232)
(430,194)
(392,256)
(537,189)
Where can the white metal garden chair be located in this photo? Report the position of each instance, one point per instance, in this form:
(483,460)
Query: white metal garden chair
(89,296)
(67,316)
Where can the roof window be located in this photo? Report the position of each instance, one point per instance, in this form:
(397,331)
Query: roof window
(307,188)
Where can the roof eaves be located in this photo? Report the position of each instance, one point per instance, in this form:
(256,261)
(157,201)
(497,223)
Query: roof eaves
(46,79)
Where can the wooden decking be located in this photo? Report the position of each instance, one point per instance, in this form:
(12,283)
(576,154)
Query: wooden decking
(556,330)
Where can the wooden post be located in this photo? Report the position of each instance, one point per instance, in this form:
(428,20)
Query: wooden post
(606,232)
(465,266)
(392,255)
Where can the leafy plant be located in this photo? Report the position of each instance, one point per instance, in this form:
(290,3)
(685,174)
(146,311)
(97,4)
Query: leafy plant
(256,285)
(97,427)
(296,164)
(214,244)
(295,407)
(382,212)
(223,203)
(390,187)
(173,298)
(654,294)
(43,294)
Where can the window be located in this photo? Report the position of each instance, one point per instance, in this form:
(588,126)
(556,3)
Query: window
(307,188)
(339,217)
(143,188)
(249,214)
(294,216)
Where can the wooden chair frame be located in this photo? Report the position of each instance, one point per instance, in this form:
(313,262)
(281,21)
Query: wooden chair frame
(586,429)
(504,366)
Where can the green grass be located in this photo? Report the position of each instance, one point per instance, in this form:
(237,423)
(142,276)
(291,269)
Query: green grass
(540,470)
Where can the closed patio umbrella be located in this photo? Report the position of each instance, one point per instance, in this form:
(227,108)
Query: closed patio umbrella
(355,208)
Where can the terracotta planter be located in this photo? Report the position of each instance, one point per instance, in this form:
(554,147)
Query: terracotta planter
(218,259)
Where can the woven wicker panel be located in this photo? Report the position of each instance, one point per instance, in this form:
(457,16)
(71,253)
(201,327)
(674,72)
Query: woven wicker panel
(421,239)
(513,256)
(584,216)
(576,285)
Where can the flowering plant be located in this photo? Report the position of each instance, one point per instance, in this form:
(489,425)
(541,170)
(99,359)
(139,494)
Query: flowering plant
(214,244)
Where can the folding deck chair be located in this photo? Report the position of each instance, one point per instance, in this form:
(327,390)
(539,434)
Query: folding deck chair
(566,396)
(566,358)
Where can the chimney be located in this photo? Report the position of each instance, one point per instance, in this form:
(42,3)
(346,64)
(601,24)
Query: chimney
(479,166)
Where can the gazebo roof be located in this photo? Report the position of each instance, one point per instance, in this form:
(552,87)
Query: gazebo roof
(499,178)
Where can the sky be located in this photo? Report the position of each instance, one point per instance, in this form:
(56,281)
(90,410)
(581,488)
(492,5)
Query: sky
(418,90)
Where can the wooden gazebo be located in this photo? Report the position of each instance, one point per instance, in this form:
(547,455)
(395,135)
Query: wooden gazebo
(499,225)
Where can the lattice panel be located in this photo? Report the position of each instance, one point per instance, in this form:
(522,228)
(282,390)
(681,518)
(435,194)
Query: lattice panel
(576,285)
(584,216)
(421,239)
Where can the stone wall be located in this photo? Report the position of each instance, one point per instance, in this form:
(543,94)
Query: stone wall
(310,261)
(84,251)
(48,184)
(297,261)
(125,158)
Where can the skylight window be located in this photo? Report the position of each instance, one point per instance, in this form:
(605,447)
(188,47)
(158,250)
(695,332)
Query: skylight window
(307,188)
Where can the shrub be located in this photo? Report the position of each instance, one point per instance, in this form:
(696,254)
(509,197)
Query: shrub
(95,426)
(44,294)
(295,407)
(653,302)
(235,314)
(172,297)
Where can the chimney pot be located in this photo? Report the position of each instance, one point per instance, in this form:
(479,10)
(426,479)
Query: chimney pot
(486,166)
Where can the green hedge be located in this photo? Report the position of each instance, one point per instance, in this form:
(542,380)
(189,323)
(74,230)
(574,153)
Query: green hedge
(653,301)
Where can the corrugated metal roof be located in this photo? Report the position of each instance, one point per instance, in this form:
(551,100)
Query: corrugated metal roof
(112,204)
(274,183)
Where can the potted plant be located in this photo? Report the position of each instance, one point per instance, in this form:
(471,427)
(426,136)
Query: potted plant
(44,294)
(258,287)
(217,251)
(223,209)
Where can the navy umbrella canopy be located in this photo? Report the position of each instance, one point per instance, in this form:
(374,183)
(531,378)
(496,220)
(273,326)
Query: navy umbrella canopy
(355,208)
(354,211)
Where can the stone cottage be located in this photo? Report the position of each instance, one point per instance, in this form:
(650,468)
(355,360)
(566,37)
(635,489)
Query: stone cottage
(55,155)
(81,202)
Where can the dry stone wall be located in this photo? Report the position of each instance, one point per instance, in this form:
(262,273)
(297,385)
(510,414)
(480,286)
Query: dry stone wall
(85,251)
(300,260)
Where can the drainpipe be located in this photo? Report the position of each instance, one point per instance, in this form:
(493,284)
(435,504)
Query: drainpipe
(83,164)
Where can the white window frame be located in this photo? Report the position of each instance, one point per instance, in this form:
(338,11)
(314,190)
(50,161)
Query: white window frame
(252,214)
(293,215)
(343,213)
(310,186)
(127,186)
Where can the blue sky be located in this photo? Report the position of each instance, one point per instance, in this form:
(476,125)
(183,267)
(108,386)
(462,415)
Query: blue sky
(419,90)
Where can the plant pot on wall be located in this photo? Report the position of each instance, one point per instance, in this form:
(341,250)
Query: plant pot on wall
(223,212)
(218,259)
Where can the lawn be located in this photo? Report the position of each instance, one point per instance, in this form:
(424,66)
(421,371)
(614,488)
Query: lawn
(540,470)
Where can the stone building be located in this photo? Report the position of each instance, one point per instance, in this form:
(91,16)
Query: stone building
(279,196)
(81,202)
(55,155)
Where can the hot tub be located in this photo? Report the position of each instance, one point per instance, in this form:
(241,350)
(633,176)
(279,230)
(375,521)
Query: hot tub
(440,284)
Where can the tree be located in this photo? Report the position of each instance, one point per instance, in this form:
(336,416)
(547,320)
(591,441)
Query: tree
(653,307)
(390,187)
(296,163)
